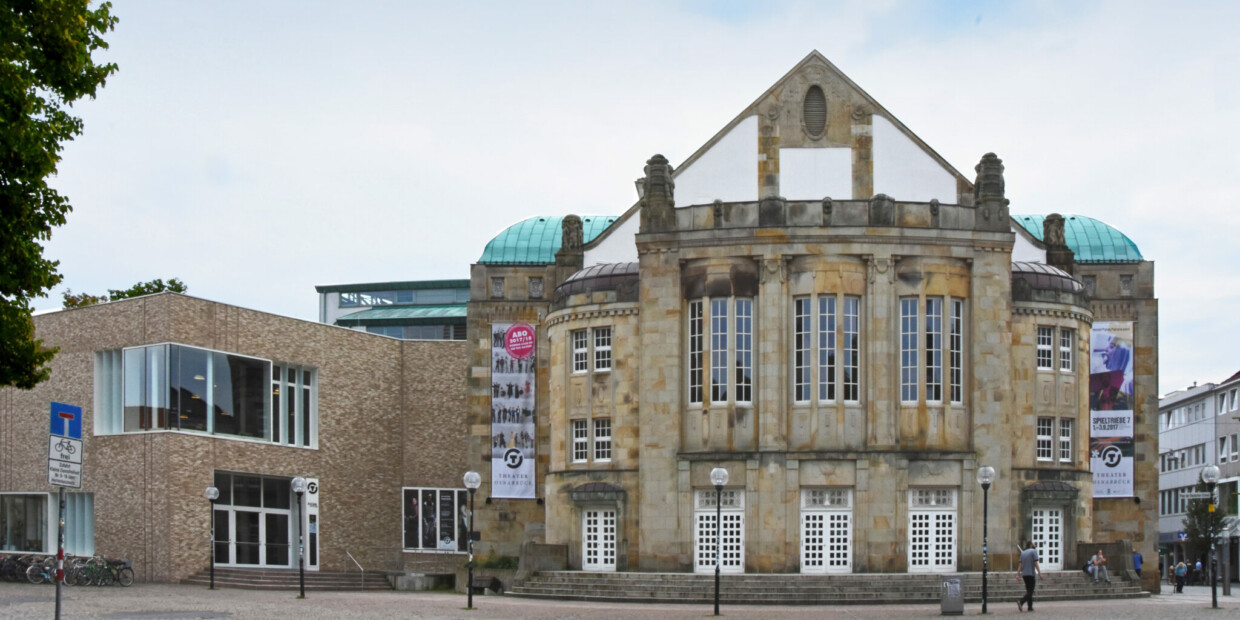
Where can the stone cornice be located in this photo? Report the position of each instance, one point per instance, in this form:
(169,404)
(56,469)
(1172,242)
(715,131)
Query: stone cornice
(567,315)
(1060,313)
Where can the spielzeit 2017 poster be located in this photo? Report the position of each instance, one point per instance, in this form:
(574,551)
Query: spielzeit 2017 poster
(512,410)
(1110,408)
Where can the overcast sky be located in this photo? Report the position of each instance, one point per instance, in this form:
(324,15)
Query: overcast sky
(256,149)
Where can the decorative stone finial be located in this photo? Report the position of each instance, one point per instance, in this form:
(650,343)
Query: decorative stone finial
(658,197)
(988,193)
(1058,254)
(570,253)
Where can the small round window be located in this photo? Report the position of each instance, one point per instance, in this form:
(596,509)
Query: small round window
(814,111)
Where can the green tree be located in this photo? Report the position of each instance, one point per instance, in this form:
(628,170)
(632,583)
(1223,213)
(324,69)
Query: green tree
(157,285)
(45,66)
(1199,522)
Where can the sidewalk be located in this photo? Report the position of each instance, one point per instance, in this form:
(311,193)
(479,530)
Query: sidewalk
(178,602)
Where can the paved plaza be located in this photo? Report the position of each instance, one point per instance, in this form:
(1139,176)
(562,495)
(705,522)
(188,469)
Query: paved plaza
(158,601)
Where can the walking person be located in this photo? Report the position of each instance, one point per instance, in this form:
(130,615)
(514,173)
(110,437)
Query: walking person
(1181,570)
(1137,560)
(1029,571)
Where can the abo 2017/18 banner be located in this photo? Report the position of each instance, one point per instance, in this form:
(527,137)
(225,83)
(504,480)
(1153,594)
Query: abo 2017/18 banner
(513,425)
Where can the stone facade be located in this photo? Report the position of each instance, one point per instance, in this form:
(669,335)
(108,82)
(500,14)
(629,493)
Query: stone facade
(388,416)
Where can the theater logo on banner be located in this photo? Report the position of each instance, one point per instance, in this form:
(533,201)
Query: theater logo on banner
(1110,409)
(512,410)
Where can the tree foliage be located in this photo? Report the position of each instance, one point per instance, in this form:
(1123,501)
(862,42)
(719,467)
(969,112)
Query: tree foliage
(157,285)
(45,66)
(1199,522)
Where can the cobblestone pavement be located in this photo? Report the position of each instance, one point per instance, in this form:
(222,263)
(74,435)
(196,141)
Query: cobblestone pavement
(179,602)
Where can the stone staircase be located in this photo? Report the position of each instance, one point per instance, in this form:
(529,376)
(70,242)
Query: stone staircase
(797,589)
(286,579)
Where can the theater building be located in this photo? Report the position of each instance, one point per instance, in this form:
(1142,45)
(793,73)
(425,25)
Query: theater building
(815,302)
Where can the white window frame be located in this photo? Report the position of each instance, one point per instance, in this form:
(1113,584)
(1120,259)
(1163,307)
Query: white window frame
(459,497)
(579,440)
(724,355)
(602,349)
(1043,447)
(955,348)
(580,346)
(697,352)
(934,349)
(1047,532)
(826,530)
(802,349)
(909,350)
(719,367)
(1222,449)
(827,357)
(743,351)
(1067,337)
(601,450)
(850,348)
(1046,355)
(1065,440)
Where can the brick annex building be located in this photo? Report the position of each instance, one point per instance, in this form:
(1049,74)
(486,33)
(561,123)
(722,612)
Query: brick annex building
(815,301)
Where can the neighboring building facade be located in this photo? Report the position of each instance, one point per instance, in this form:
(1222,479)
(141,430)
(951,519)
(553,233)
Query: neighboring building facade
(1199,426)
(418,310)
(851,359)
(370,420)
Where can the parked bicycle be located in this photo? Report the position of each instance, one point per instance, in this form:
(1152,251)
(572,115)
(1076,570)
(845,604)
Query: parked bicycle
(42,571)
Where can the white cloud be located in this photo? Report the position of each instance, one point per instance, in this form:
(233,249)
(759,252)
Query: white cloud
(257,150)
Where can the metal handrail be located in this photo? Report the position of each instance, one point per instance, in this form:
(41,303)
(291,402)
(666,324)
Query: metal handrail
(359,567)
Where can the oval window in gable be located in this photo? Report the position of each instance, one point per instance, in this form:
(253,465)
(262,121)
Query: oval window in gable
(814,111)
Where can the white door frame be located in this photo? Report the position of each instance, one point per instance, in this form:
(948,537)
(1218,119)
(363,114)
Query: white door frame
(598,539)
(826,526)
(1050,548)
(934,510)
(732,558)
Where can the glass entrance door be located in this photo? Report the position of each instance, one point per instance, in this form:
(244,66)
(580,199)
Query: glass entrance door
(1048,537)
(598,545)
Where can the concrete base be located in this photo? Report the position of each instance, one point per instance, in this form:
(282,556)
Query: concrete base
(420,581)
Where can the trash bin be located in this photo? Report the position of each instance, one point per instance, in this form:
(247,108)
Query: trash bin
(952,598)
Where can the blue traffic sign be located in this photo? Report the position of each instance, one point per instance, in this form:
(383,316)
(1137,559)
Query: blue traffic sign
(66,421)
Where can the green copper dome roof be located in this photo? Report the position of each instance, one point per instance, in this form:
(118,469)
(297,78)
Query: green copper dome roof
(536,240)
(1093,241)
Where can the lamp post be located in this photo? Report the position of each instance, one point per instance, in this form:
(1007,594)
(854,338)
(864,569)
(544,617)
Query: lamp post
(299,487)
(472,482)
(985,476)
(212,494)
(718,477)
(1209,475)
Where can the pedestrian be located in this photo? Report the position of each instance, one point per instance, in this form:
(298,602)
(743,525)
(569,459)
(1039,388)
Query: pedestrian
(1180,571)
(1100,567)
(1197,574)
(1029,571)
(1137,560)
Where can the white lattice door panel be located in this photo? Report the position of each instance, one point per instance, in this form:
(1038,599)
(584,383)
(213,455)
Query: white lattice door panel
(598,540)
(732,542)
(1048,537)
(932,542)
(826,542)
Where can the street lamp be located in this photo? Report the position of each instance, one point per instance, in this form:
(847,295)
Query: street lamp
(1209,475)
(472,482)
(985,476)
(299,487)
(718,477)
(212,494)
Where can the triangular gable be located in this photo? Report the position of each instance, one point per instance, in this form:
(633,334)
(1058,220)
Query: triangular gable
(848,146)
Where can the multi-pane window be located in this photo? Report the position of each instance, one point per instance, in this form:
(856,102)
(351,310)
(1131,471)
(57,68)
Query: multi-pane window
(695,352)
(729,533)
(581,351)
(926,362)
(1066,336)
(718,350)
(602,348)
(1046,335)
(727,356)
(181,388)
(590,440)
(932,530)
(824,350)
(908,350)
(602,439)
(826,530)
(956,351)
(1065,440)
(581,441)
(1046,427)
(934,349)
(433,520)
(1235,447)
(744,350)
(1222,449)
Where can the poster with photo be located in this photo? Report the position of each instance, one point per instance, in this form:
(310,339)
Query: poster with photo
(1110,408)
(513,426)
